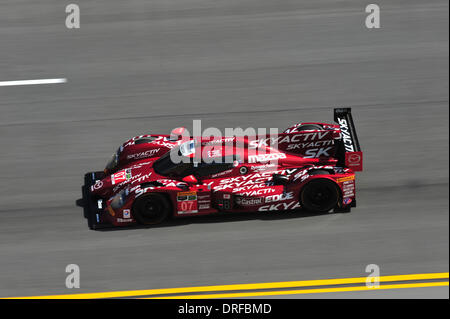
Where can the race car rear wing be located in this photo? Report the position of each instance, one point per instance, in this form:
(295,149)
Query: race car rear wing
(348,152)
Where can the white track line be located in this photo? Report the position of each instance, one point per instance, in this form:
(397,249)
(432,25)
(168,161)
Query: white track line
(33,82)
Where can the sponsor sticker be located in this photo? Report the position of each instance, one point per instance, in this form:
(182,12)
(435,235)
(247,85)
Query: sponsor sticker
(348,189)
(121,176)
(347,178)
(280,206)
(187,202)
(145,154)
(126,213)
(266,157)
(263,167)
(346,137)
(98,184)
(354,160)
(243,201)
(288,138)
(279,197)
(318,152)
(122,220)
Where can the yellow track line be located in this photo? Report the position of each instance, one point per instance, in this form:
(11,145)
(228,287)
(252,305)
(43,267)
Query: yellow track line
(303,291)
(270,285)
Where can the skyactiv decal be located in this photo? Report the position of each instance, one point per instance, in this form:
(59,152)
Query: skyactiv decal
(346,137)
(297,138)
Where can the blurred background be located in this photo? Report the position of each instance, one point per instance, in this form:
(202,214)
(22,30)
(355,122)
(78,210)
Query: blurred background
(136,67)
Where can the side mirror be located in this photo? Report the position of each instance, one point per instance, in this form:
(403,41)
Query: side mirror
(190,179)
(279,179)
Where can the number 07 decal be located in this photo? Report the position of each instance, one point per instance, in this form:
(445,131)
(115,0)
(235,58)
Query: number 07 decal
(187,202)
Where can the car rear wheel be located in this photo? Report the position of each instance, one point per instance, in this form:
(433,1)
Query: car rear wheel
(319,195)
(151,209)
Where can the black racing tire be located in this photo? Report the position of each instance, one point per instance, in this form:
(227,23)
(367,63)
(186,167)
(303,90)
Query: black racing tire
(151,209)
(320,195)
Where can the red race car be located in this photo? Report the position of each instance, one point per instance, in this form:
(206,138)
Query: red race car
(151,177)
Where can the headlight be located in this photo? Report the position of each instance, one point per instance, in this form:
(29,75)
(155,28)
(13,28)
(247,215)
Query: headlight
(119,200)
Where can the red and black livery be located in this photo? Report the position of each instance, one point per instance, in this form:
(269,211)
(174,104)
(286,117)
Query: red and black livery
(309,166)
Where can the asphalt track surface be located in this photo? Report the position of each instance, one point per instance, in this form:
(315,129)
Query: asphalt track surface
(138,67)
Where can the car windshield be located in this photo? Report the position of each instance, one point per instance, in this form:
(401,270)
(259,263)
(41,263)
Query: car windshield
(166,167)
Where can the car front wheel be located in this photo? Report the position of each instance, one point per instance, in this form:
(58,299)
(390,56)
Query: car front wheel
(151,209)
